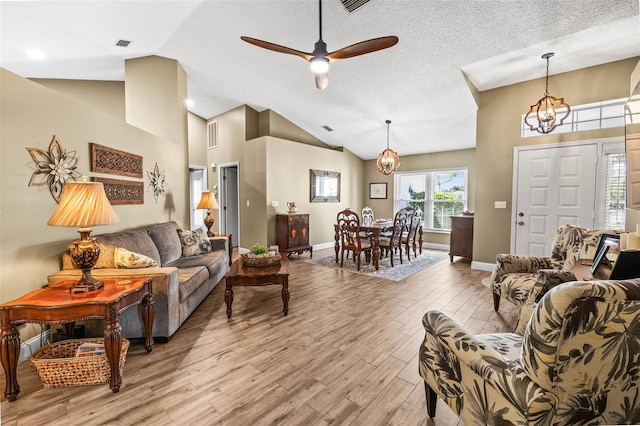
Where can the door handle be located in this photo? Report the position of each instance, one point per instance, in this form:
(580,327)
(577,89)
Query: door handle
(521,223)
(520,214)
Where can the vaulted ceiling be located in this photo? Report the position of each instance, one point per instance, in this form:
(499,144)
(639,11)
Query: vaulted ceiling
(419,84)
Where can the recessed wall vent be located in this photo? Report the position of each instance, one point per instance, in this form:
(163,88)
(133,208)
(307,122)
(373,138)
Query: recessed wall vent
(327,128)
(123,43)
(352,5)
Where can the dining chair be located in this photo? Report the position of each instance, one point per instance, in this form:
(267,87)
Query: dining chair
(351,238)
(367,216)
(409,237)
(390,244)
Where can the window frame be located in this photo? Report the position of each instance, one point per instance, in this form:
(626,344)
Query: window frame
(429,202)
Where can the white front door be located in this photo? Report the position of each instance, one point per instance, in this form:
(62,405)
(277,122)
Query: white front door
(555,186)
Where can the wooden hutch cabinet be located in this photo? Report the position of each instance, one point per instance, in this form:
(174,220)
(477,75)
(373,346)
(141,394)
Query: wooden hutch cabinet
(461,243)
(292,233)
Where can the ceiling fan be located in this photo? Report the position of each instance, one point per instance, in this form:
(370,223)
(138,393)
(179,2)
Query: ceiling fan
(319,58)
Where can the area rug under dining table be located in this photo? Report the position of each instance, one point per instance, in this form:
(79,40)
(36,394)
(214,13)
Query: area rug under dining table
(396,273)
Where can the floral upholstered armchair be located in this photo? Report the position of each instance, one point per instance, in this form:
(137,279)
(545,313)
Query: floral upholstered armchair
(516,277)
(577,363)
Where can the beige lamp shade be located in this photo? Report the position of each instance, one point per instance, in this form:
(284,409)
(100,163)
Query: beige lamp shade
(208,201)
(83,204)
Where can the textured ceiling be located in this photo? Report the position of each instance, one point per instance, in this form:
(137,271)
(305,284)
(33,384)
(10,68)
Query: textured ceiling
(419,84)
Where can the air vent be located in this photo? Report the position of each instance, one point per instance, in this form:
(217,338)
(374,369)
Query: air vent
(352,5)
(123,43)
(327,128)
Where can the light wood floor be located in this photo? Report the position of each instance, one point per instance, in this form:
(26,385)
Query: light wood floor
(346,355)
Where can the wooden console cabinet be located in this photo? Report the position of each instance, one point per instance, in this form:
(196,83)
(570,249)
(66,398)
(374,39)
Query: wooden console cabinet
(461,243)
(292,233)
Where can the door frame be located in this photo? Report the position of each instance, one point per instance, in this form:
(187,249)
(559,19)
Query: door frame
(205,179)
(222,166)
(598,189)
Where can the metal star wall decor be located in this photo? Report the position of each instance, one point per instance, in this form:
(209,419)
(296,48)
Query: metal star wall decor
(156,182)
(53,168)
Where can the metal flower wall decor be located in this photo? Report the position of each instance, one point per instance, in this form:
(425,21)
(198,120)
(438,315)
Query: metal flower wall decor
(156,182)
(53,168)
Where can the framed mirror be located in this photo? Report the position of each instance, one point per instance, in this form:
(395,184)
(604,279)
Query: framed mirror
(325,187)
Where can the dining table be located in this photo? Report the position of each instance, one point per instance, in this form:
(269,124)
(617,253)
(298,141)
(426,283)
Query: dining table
(376,229)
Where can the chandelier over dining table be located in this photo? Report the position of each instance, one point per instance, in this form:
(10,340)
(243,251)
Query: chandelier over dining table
(388,160)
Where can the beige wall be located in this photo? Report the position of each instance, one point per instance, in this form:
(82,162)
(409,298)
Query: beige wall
(197,128)
(633,216)
(273,124)
(498,132)
(30,114)
(438,160)
(289,167)
(274,169)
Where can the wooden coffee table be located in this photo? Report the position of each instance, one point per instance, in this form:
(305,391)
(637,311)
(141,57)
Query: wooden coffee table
(240,275)
(56,305)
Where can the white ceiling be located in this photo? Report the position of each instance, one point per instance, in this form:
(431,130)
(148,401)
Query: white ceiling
(418,84)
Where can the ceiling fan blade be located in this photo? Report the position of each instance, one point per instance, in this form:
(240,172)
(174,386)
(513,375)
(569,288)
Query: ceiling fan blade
(364,47)
(277,47)
(322,80)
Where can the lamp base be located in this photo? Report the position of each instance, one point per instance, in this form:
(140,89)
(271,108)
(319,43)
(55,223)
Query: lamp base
(208,222)
(84,253)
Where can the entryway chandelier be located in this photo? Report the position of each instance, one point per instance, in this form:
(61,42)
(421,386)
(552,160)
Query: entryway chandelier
(543,116)
(388,160)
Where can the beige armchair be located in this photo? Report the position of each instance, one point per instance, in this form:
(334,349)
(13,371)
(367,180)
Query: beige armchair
(577,363)
(515,277)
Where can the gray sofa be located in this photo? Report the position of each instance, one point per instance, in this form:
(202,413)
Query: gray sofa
(180,283)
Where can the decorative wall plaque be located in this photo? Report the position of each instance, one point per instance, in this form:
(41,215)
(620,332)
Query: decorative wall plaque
(122,191)
(114,161)
(53,168)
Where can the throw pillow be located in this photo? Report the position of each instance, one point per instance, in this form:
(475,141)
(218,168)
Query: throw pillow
(124,258)
(194,243)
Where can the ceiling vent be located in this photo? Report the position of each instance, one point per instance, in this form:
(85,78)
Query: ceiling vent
(327,128)
(352,5)
(123,43)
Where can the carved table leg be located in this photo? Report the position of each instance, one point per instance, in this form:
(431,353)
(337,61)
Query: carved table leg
(337,244)
(113,347)
(376,250)
(228,296)
(9,354)
(148,314)
(285,294)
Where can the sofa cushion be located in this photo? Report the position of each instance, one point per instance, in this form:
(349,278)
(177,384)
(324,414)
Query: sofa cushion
(190,279)
(124,258)
(194,243)
(165,237)
(213,261)
(137,241)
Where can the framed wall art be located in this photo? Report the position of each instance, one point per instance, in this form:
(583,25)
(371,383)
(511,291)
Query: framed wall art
(114,162)
(122,191)
(378,190)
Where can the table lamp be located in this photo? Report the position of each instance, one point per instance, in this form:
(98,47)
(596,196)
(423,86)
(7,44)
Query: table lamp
(84,204)
(208,201)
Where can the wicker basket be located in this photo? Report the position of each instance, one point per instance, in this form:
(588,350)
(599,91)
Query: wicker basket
(58,366)
(260,261)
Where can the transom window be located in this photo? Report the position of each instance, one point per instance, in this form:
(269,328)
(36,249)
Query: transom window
(438,193)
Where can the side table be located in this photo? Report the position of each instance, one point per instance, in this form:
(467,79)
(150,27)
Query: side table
(230,238)
(56,305)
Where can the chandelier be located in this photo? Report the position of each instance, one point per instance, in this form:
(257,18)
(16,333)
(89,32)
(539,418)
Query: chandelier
(543,116)
(388,160)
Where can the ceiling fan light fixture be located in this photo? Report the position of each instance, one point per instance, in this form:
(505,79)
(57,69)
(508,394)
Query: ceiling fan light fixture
(549,112)
(319,65)
(388,160)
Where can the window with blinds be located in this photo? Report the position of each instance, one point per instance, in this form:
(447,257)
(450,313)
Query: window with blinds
(615,191)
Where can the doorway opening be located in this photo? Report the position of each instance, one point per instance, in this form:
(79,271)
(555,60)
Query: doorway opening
(229,200)
(197,184)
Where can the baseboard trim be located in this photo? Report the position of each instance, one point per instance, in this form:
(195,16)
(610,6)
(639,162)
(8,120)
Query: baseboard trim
(30,347)
(483,266)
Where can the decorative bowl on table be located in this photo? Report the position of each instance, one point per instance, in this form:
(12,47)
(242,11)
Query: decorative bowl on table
(263,259)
